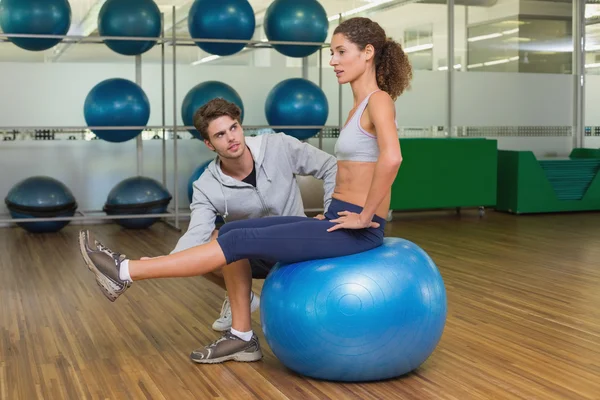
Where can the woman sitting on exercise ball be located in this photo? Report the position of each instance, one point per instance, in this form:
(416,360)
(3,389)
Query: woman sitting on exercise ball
(368,154)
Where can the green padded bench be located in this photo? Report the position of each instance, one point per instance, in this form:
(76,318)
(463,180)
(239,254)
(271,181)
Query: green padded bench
(446,173)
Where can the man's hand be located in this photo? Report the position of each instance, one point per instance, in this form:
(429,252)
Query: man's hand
(319,217)
(351,220)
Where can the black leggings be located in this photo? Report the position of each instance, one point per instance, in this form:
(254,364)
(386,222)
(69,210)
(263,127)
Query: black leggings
(293,239)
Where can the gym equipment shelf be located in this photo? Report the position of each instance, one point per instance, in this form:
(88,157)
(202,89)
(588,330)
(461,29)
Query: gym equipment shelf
(165,39)
(530,185)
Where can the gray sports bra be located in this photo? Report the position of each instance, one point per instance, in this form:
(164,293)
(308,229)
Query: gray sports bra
(354,143)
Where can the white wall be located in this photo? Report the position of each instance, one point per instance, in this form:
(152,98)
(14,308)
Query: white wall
(513,99)
(592,142)
(592,100)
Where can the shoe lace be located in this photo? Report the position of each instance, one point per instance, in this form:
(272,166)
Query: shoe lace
(226,308)
(227,336)
(116,256)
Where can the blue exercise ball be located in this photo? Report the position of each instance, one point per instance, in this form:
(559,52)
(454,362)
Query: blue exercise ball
(41,197)
(195,176)
(223,19)
(202,94)
(296,21)
(364,317)
(297,101)
(39,17)
(116,102)
(135,196)
(139,18)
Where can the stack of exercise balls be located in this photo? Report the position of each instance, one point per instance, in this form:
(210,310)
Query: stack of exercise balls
(291,102)
(41,197)
(120,102)
(285,21)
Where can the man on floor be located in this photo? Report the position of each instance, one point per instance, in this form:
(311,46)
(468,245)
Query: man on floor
(251,177)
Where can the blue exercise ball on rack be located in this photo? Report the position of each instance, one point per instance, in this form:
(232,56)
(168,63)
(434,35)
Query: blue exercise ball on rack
(222,19)
(369,316)
(41,197)
(193,178)
(297,101)
(138,195)
(296,21)
(116,102)
(39,17)
(139,18)
(202,94)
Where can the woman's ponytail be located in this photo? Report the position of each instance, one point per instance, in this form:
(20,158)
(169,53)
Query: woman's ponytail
(393,69)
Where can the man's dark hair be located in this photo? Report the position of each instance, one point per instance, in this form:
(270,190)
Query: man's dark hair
(212,110)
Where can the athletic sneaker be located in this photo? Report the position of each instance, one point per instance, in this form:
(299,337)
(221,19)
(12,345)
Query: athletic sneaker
(104,263)
(223,323)
(228,347)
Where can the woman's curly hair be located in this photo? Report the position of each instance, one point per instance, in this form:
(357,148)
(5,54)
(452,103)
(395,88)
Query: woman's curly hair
(392,67)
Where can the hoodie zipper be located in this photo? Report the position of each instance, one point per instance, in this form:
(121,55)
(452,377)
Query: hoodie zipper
(265,209)
(264,206)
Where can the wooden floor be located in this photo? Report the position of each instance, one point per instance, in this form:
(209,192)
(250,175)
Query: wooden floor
(523,319)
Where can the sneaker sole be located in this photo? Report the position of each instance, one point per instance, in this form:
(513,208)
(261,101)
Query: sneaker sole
(240,357)
(108,287)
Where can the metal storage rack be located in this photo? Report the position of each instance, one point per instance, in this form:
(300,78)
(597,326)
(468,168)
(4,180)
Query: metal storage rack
(173,212)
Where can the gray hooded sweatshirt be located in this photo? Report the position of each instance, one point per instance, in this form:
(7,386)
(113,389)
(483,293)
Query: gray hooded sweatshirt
(278,159)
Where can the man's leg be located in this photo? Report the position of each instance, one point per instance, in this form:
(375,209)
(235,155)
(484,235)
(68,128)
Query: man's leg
(223,323)
(238,279)
(240,343)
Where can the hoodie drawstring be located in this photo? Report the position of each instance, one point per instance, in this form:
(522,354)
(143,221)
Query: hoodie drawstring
(224,199)
(265,171)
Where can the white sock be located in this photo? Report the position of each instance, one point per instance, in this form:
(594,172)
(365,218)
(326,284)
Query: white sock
(124,271)
(245,336)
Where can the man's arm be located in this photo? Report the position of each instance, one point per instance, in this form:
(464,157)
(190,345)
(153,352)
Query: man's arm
(306,159)
(202,223)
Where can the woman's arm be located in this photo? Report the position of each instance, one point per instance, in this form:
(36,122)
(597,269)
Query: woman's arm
(382,114)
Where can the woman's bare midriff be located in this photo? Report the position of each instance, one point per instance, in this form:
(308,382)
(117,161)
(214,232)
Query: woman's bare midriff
(353,183)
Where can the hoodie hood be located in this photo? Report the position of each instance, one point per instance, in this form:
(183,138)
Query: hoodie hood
(256,146)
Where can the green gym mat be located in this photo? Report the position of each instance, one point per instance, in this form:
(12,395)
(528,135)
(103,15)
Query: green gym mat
(530,185)
(570,177)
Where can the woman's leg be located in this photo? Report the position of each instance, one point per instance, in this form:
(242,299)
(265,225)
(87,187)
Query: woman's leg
(114,273)
(285,239)
(205,258)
